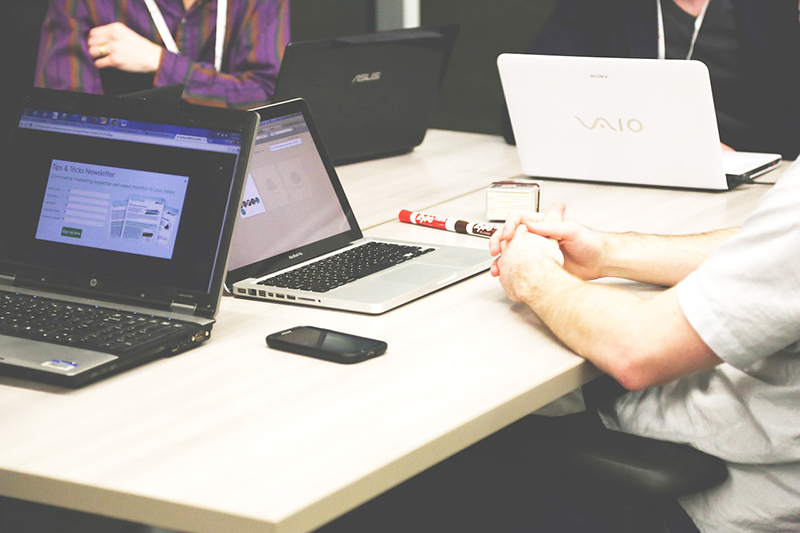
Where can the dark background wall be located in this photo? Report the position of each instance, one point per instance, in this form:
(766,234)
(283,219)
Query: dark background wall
(322,19)
(471,97)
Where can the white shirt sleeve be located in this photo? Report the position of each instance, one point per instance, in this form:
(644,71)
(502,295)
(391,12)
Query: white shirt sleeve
(744,301)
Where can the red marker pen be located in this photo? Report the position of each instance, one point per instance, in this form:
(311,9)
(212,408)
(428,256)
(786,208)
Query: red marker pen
(448,224)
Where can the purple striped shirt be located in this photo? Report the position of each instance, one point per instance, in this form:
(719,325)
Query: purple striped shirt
(257,32)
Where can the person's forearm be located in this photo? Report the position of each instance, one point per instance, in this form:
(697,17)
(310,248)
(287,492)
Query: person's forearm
(639,342)
(251,62)
(205,86)
(658,259)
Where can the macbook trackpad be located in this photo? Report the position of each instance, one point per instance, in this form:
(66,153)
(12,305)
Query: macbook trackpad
(415,274)
(398,282)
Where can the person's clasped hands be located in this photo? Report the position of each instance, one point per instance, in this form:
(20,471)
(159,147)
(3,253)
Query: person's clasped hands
(116,45)
(528,239)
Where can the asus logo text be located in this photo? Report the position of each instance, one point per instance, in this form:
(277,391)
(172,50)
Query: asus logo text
(361,78)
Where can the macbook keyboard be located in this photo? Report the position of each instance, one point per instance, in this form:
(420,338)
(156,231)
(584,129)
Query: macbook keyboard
(83,326)
(347,266)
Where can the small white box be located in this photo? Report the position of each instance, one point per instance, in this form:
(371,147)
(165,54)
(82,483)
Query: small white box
(502,197)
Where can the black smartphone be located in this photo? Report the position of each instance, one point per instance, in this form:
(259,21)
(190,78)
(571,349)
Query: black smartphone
(326,344)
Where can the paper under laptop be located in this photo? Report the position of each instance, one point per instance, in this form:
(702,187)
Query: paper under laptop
(636,121)
(372,95)
(117,217)
(294,212)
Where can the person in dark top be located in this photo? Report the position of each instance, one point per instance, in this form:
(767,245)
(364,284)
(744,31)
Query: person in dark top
(751,48)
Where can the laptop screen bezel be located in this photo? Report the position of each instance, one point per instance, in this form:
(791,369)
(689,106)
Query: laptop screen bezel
(303,253)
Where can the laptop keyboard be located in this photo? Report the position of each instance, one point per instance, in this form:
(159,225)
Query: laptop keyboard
(347,266)
(83,326)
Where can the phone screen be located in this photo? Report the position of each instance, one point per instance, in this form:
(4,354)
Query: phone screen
(329,341)
(326,344)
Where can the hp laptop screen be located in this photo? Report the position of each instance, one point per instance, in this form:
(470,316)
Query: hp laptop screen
(290,200)
(115,203)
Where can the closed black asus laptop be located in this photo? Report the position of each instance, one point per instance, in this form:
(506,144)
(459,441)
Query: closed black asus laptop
(372,95)
(117,216)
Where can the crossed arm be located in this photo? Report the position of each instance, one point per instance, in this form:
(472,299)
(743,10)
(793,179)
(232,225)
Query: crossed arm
(546,264)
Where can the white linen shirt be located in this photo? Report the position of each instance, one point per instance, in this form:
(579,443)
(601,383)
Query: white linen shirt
(744,302)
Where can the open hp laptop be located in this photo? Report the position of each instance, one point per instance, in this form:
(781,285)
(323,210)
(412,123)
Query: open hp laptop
(372,95)
(637,121)
(117,216)
(298,241)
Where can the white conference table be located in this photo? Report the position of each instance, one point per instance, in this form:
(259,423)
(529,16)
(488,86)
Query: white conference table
(233,436)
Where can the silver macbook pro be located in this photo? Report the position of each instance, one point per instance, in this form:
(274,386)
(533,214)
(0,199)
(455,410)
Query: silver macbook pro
(297,240)
(636,121)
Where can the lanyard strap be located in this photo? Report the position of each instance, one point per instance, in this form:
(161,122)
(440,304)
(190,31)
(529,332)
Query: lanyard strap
(169,40)
(662,42)
(222,20)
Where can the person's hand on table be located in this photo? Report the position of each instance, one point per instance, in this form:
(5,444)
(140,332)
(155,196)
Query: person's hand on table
(521,265)
(581,247)
(516,218)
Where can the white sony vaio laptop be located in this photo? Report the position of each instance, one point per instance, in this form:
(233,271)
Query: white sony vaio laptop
(636,121)
(297,239)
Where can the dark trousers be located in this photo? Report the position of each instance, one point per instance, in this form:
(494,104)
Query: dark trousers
(514,481)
